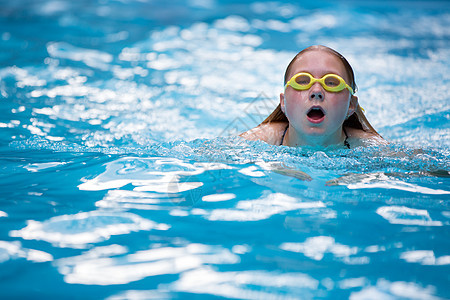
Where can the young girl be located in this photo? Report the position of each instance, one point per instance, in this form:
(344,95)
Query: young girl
(318,106)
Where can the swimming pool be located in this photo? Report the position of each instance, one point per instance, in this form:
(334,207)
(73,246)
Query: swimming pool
(122,177)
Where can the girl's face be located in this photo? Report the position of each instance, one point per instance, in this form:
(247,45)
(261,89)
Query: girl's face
(316,112)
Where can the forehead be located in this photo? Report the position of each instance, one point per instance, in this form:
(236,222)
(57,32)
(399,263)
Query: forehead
(318,63)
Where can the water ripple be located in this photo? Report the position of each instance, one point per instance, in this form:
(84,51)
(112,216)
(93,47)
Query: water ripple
(79,230)
(147,174)
(92,58)
(395,290)
(316,247)
(247,284)
(14,250)
(425,257)
(407,216)
(99,267)
(262,208)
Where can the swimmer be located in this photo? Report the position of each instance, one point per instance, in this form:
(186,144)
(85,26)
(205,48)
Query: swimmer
(318,107)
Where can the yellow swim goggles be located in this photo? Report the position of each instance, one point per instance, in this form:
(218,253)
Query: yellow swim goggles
(330,82)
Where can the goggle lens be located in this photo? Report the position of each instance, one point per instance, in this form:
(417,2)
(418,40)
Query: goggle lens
(303,80)
(332,81)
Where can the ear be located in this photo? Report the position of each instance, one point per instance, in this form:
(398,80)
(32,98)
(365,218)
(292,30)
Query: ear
(283,108)
(353,104)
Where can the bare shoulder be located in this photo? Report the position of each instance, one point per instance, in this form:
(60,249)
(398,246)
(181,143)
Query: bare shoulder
(358,137)
(269,132)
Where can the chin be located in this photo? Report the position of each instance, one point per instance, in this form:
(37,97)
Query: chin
(315,131)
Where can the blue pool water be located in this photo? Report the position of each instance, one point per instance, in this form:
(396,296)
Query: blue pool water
(122,176)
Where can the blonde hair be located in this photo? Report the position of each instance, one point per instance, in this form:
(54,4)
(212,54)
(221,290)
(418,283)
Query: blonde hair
(357,120)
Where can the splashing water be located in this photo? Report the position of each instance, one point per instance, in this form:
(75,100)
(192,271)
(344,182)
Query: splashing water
(122,176)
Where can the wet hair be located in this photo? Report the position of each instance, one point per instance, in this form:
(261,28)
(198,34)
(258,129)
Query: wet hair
(357,120)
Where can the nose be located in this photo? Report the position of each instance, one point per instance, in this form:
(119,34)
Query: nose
(316,95)
(316,92)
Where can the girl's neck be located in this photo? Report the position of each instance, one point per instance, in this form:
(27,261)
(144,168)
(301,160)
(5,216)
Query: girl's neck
(294,139)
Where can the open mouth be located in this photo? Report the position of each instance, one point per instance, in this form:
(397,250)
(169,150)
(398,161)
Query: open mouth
(316,114)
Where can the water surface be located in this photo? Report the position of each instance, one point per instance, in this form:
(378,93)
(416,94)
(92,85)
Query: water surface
(122,176)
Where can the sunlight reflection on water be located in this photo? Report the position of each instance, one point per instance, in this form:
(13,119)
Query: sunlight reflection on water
(120,172)
(77,231)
